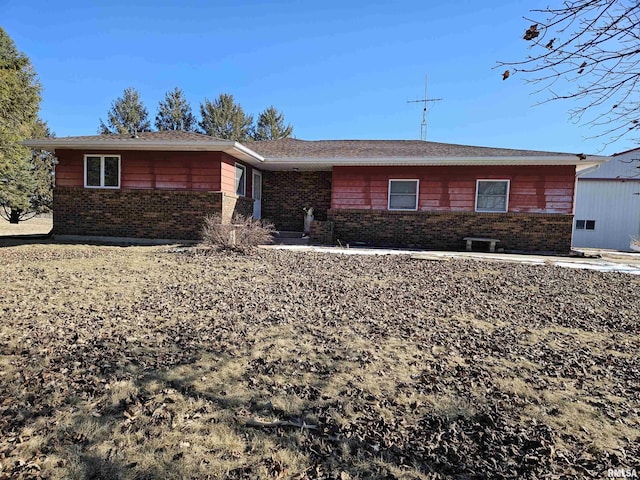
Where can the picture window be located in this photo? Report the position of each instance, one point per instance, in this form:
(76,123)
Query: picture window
(403,195)
(492,195)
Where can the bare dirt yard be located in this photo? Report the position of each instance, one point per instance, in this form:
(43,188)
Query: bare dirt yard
(145,363)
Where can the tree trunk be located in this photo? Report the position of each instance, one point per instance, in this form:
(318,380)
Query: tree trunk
(14,216)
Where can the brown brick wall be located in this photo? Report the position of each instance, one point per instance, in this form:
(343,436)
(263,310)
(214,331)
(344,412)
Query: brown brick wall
(135,213)
(233,205)
(284,194)
(321,232)
(445,230)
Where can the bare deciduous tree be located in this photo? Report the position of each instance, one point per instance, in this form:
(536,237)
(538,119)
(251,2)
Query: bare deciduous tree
(587,51)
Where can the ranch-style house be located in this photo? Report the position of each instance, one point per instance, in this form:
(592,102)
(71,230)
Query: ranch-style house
(402,193)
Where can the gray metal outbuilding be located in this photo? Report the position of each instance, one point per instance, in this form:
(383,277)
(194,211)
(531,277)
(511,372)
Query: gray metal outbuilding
(607,212)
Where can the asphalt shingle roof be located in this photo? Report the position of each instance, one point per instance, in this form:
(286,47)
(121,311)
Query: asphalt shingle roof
(301,150)
(293,148)
(177,136)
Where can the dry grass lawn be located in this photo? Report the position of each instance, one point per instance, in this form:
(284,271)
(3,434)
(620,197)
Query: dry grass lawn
(144,363)
(37,225)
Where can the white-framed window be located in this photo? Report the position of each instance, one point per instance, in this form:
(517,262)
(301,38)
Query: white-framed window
(101,171)
(403,194)
(241,180)
(585,224)
(492,195)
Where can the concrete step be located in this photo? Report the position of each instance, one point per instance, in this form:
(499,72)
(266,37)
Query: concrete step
(289,234)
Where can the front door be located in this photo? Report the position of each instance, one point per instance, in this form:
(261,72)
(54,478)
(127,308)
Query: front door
(257,194)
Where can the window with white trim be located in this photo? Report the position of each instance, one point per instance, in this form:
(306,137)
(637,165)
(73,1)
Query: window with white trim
(241,180)
(102,171)
(403,195)
(492,195)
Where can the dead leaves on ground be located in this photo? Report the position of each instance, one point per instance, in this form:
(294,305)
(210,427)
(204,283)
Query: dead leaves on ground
(408,369)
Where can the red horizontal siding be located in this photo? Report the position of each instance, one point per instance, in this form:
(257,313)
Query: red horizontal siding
(173,185)
(66,183)
(147,184)
(70,169)
(67,175)
(533,189)
(228,178)
(524,200)
(143,170)
(171,178)
(148,170)
(211,186)
(203,171)
(138,177)
(228,175)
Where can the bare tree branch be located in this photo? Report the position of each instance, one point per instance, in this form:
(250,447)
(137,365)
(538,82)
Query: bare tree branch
(587,52)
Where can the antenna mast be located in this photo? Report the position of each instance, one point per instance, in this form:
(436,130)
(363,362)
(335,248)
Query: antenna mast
(424,100)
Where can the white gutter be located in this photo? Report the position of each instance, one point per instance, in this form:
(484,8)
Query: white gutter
(248,151)
(234,149)
(306,162)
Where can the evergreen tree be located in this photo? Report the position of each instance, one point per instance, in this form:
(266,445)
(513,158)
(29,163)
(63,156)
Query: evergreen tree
(19,105)
(271,126)
(42,167)
(174,113)
(126,115)
(225,119)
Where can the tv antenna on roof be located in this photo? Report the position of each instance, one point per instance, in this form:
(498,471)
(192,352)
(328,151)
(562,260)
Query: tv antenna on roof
(424,100)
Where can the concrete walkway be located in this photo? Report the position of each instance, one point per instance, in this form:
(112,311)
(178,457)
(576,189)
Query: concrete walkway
(609,261)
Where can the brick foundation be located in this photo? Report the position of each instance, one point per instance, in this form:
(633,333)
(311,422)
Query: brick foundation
(284,194)
(445,230)
(140,213)
(321,233)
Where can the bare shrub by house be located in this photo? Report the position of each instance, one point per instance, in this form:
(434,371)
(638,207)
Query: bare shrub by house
(242,234)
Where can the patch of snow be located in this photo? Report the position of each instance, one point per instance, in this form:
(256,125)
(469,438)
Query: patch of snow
(596,264)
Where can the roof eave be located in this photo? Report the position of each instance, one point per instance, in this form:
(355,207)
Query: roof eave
(241,152)
(251,156)
(302,163)
(230,147)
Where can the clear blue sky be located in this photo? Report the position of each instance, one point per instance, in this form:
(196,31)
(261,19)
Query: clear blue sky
(336,69)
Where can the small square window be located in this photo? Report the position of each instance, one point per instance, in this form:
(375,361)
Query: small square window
(585,224)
